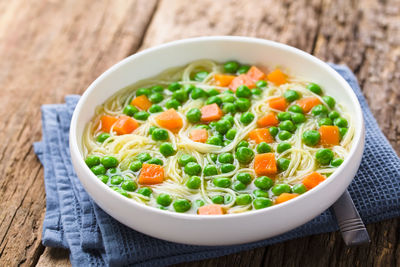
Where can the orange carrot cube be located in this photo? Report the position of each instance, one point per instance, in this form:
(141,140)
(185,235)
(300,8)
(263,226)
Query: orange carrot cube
(151,174)
(265,164)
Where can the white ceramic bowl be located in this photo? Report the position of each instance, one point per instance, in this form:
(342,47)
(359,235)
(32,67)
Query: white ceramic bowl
(233,228)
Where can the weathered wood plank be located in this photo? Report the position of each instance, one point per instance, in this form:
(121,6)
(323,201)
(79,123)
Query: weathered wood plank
(54,257)
(49,49)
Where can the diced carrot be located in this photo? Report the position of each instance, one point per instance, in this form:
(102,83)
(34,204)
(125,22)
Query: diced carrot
(125,125)
(261,135)
(312,180)
(107,122)
(212,209)
(211,113)
(269,119)
(199,135)
(329,135)
(255,74)
(242,79)
(285,197)
(170,120)
(308,103)
(223,80)
(141,102)
(151,174)
(265,164)
(277,77)
(278,103)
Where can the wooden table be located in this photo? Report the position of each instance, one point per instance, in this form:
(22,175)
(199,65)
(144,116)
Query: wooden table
(49,49)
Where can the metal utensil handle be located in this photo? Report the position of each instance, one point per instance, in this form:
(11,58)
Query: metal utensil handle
(351,226)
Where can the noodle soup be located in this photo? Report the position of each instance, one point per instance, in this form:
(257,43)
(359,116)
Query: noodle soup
(211,138)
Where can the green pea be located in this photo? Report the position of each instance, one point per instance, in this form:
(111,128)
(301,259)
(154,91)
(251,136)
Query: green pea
(200,76)
(279,189)
(141,115)
(213,92)
(222,182)
(283,164)
(180,95)
(172,103)
(229,118)
(227,199)
(256,92)
(243,104)
(247,118)
(296,109)
(130,110)
(193,182)
(109,161)
(155,109)
(311,137)
(319,110)
(330,101)
(244,155)
(143,157)
(225,158)
(263,182)
(227,142)
(215,140)
(145,191)
(152,128)
(298,118)
(231,66)
(229,108)
(159,134)
(340,122)
(336,162)
(156,98)
(231,134)
(112,170)
(284,135)
(315,88)
(263,147)
(117,179)
(222,126)
(166,149)
(228,98)
(121,191)
(103,178)
(273,130)
(243,69)
(157,89)
(181,205)
(143,91)
(203,126)
(324,156)
(188,88)
(238,186)
(174,86)
(261,83)
(192,168)
(227,167)
(198,93)
(243,91)
(102,137)
(214,99)
(261,203)
(242,143)
(199,202)
(282,147)
(291,95)
(210,170)
(155,161)
(244,178)
(299,189)
(217,199)
(193,115)
(92,160)
(333,115)
(98,169)
(325,121)
(287,126)
(129,185)
(164,200)
(185,159)
(214,157)
(243,199)
(342,132)
(260,193)
(135,165)
(284,116)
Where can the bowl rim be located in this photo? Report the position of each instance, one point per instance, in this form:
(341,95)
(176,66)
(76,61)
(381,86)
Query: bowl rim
(75,151)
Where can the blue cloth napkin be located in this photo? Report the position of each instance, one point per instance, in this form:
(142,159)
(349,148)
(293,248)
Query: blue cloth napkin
(75,222)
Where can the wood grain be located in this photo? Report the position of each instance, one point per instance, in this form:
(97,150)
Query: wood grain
(52,48)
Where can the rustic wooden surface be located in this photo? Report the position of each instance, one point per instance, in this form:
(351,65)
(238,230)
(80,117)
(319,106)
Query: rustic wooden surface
(52,48)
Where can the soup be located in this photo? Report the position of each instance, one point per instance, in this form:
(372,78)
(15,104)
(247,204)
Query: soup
(212,139)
